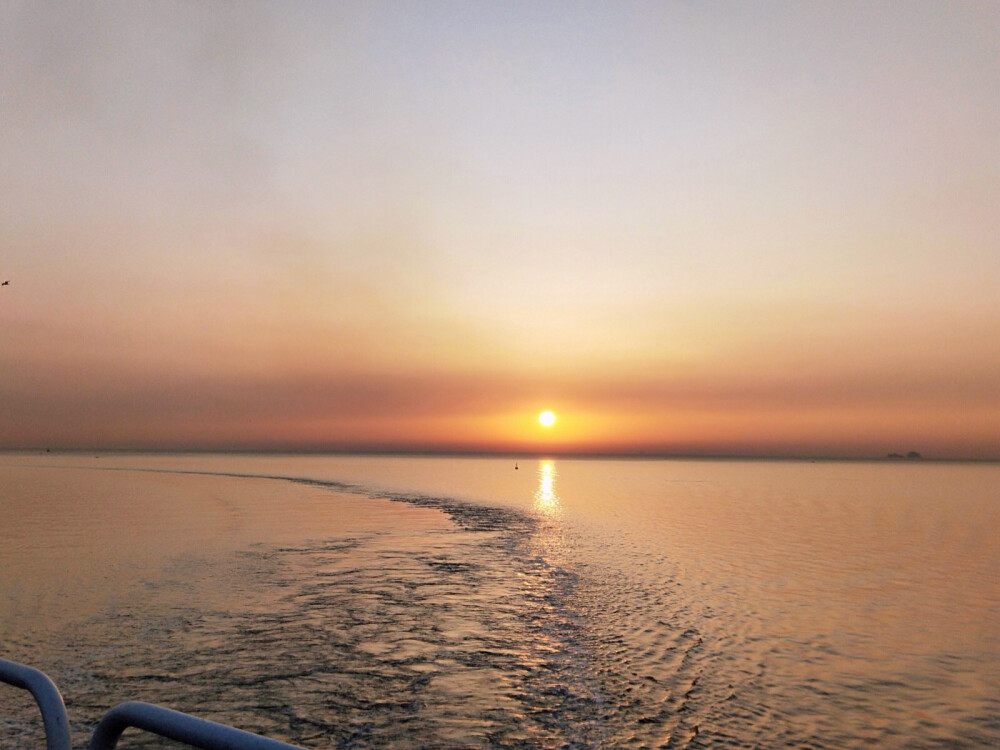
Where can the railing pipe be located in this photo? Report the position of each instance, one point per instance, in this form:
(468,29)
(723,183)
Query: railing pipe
(47,697)
(177,726)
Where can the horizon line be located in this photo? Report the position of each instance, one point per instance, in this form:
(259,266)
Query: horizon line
(501,453)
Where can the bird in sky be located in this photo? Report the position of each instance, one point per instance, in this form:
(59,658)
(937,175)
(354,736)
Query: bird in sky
(6,283)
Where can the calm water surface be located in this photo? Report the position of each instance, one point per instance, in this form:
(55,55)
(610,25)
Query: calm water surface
(456,602)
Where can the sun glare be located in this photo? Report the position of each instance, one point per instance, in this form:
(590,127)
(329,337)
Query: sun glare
(547,419)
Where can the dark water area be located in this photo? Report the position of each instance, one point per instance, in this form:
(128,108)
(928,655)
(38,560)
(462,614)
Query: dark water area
(452,637)
(347,612)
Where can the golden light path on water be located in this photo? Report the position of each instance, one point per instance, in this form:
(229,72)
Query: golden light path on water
(546,499)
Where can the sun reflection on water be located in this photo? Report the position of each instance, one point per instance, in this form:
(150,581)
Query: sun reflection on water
(546,499)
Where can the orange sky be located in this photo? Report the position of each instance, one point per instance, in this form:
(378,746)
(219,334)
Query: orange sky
(685,229)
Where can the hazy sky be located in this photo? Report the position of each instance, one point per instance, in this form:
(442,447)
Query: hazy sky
(693,227)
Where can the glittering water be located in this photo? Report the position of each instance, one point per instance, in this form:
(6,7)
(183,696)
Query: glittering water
(436,602)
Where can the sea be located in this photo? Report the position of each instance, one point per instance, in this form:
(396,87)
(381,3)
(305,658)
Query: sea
(346,601)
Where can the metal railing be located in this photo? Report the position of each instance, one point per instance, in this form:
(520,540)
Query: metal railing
(176,726)
(164,722)
(47,697)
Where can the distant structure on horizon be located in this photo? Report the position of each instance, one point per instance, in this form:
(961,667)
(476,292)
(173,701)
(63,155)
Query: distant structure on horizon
(911,456)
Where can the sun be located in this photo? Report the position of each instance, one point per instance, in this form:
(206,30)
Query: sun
(546,419)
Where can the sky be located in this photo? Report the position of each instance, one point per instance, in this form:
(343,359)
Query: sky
(686,228)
